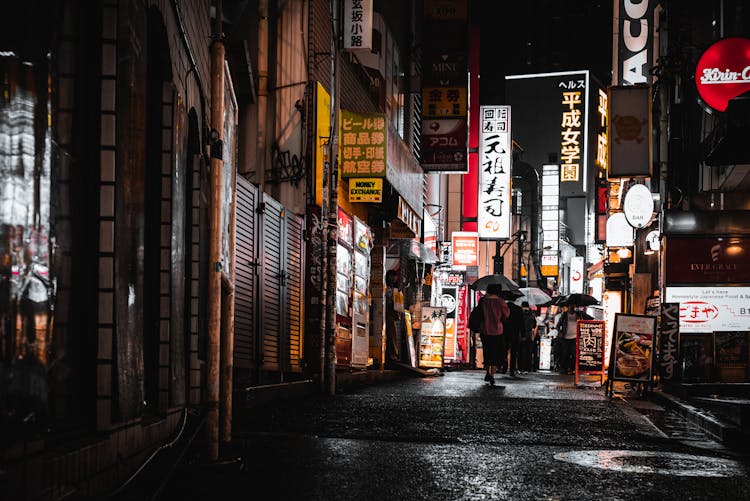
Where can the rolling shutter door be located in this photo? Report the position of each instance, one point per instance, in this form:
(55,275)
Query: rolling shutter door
(246,263)
(271,281)
(294,290)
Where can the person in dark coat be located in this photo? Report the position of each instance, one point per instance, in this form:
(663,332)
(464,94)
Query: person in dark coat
(495,310)
(513,326)
(526,339)
(568,332)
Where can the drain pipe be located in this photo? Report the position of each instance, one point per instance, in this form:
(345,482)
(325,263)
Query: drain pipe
(214,273)
(260,153)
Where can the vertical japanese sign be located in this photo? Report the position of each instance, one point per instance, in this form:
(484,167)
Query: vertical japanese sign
(550,219)
(445,86)
(602,135)
(669,341)
(363,144)
(493,211)
(357,24)
(449,302)
(571,134)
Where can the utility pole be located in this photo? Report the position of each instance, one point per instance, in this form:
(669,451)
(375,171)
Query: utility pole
(332,216)
(214,273)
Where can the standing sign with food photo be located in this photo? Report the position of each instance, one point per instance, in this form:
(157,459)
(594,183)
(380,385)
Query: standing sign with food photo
(632,348)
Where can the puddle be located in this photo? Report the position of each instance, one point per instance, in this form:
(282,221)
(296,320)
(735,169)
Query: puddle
(663,463)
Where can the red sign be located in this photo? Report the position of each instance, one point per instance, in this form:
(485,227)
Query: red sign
(723,72)
(707,260)
(465,248)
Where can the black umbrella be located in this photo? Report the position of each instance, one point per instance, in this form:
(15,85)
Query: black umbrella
(579,300)
(508,285)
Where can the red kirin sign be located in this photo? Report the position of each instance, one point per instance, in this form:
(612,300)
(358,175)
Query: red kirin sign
(723,72)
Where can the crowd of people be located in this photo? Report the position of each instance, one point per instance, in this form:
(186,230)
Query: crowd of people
(510,334)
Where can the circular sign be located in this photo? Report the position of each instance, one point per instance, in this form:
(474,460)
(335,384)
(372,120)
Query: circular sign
(638,206)
(653,240)
(449,301)
(723,72)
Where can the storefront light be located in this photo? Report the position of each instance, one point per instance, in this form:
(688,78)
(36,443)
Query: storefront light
(624,253)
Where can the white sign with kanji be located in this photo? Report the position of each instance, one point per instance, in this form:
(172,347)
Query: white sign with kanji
(708,309)
(494,197)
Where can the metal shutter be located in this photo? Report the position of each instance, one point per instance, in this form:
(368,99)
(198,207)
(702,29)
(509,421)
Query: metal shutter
(271,283)
(294,290)
(246,263)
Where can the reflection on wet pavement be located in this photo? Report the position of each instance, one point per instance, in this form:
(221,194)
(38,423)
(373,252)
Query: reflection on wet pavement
(664,463)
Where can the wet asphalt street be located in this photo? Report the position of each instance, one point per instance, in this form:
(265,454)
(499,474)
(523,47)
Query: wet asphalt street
(455,437)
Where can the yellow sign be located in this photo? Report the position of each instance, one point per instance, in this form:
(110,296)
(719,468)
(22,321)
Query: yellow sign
(570,146)
(366,190)
(444,102)
(322,133)
(363,144)
(549,270)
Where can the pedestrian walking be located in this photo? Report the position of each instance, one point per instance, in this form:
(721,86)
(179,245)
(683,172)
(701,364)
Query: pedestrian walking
(568,328)
(487,318)
(526,339)
(513,328)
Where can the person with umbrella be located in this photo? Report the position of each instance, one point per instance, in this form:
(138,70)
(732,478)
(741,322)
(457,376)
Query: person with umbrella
(492,310)
(567,327)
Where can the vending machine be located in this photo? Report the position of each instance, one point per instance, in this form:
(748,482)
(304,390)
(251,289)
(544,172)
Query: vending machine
(344,285)
(362,244)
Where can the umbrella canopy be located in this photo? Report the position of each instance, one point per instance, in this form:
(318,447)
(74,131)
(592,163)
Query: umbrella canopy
(507,284)
(534,296)
(579,300)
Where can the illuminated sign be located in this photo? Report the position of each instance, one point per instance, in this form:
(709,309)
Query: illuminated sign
(570,144)
(550,219)
(633,35)
(630,134)
(723,72)
(366,190)
(576,275)
(444,102)
(638,206)
(357,24)
(363,144)
(708,309)
(493,211)
(601,138)
(465,245)
(619,232)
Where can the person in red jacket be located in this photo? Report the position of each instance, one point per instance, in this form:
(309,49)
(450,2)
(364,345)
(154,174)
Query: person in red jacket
(495,311)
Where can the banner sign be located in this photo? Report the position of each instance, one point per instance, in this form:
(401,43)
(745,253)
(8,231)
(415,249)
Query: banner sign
(630,132)
(493,211)
(632,348)
(363,144)
(709,309)
(590,348)
(357,24)
(444,144)
(723,72)
(633,44)
(707,260)
(449,301)
(366,190)
(669,342)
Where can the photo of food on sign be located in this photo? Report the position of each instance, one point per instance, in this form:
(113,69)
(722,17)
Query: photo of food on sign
(633,356)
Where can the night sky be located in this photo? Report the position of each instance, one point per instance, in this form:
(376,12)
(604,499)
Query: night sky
(540,36)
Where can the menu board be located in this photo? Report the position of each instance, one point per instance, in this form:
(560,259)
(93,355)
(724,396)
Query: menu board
(432,337)
(632,348)
(590,347)
(731,349)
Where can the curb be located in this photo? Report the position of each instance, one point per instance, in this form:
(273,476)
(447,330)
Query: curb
(716,428)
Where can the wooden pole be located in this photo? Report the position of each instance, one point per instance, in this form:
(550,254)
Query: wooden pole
(214,272)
